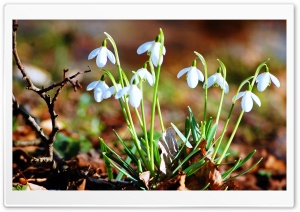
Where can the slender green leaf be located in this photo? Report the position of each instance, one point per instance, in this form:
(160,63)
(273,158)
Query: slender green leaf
(181,136)
(107,162)
(205,187)
(121,170)
(126,149)
(185,160)
(210,136)
(244,172)
(208,125)
(187,127)
(194,167)
(228,172)
(128,160)
(239,164)
(123,164)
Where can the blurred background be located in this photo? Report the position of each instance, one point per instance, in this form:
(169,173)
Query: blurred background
(47,47)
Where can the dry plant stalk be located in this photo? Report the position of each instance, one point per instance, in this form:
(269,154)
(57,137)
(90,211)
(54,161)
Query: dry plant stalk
(48,140)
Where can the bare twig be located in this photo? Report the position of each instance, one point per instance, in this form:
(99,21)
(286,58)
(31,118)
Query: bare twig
(49,141)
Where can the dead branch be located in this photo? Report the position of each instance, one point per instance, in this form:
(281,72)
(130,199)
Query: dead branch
(50,102)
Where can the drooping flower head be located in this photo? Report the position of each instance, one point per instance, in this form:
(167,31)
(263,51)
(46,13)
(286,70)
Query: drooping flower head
(264,80)
(194,75)
(100,89)
(247,100)
(134,93)
(143,74)
(217,80)
(102,54)
(153,48)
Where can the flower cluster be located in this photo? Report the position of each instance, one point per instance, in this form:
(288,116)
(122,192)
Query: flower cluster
(101,89)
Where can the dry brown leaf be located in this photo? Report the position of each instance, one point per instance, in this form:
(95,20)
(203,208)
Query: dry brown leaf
(81,186)
(169,148)
(34,187)
(145,177)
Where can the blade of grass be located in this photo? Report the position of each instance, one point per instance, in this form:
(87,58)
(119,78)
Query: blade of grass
(244,172)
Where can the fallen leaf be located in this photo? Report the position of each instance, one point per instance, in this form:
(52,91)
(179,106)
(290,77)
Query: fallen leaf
(169,148)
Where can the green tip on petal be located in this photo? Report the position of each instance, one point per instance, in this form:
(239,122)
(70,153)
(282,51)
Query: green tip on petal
(194,63)
(157,39)
(134,82)
(103,77)
(104,43)
(267,68)
(249,87)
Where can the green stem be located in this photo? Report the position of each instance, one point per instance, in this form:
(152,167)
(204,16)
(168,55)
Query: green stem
(222,134)
(205,82)
(144,122)
(242,112)
(231,137)
(160,116)
(139,118)
(135,138)
(157,74)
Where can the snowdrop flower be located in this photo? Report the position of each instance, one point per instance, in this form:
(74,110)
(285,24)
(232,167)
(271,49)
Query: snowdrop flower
(193,75)
(102,54)
(143,73)
(154,48)
(134,93)
(113,90)
(217,80)
(100,89)
(247,100)
(264,80)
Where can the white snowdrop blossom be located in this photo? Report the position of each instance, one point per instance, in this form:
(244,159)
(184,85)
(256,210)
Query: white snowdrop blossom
(100,90)
(217,79)
(134,93)
(154,48)
(143,74)
(113,90)
(102,54)
(247,100)
(193,76)
(264,80)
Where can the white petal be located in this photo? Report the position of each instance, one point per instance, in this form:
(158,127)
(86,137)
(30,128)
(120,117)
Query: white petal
(148,77)
(93,53)
(134,78)
(119,87)
(192,78)
(122,92)
(98,95)
(275,80)
(239,95)
(92,85)
(220,80)
(102,85)
(226,87)
(164,51)
(144,47)
(135,96)
(155,53)
(102,57)
(183,71)
(263,82)
(200,75)
(256,99)
(259,77)
(247,102)
(111,56)
(109,92)
(210,80)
